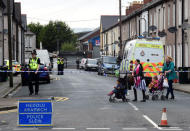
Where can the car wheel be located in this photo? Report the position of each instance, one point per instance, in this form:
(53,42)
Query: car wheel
(48,81)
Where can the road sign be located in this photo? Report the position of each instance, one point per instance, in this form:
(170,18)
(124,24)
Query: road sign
(37,113)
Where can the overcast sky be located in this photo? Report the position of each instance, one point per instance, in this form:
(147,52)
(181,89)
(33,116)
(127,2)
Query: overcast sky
(76,13)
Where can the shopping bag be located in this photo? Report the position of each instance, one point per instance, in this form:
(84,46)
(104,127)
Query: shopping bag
(165,83)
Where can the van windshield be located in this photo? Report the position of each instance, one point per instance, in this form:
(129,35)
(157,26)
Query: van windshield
(92,61)
(152,55)
(110,60)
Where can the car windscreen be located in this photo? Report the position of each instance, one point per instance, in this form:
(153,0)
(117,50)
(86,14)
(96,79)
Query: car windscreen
(110,60)
(92,61)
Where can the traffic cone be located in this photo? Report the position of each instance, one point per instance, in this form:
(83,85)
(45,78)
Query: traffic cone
(164,122)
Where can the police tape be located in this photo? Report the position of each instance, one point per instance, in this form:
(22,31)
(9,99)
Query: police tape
(79,71)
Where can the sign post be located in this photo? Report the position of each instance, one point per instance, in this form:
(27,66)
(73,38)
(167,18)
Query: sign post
(35,113)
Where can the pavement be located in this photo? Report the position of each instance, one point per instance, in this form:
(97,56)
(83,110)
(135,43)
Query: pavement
(5,91)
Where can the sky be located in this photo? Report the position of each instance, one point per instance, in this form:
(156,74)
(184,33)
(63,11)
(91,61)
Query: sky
(76,13)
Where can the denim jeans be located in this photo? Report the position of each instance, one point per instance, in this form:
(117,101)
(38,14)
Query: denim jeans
(170,88)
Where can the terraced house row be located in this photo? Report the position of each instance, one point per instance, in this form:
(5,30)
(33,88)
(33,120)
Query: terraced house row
(18,29)
(167,19)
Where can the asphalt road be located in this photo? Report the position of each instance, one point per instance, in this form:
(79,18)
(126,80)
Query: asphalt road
(88,107)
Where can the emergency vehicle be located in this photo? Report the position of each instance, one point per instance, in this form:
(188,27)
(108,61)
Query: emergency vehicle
(149,51)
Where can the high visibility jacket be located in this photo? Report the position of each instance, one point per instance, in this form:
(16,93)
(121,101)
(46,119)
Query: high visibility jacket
(61,62)
(33,64)
(58,61)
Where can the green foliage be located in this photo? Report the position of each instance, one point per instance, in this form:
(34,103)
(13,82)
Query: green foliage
(49,34)
(68,47)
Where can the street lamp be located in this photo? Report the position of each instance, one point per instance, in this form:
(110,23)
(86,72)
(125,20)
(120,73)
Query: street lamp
(120,26)
(58,31)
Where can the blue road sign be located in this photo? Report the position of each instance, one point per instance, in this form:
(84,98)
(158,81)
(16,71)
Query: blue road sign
(35,113)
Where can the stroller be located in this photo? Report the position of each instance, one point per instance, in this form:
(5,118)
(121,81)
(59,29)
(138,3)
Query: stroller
(119,95)
(157,93)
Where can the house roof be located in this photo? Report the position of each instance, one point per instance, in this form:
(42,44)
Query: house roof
(17,12)
(109,20)
(24,21)
(137,12)
(12,6)
(89,34)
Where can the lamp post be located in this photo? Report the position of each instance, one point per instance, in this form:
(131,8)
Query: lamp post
(120,26)
(58,31)
(10,43)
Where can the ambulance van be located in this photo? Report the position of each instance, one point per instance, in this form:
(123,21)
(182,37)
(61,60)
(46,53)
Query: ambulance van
(149,51)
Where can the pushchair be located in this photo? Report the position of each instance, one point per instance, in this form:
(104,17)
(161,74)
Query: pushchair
(119,95)
(158,92)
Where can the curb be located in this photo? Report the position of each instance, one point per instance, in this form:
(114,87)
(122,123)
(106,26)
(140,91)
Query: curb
(188,92)
(10,91)
(8,108)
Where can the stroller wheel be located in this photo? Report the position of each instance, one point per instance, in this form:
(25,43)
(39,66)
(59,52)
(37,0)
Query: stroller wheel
(147,97)
(153,98)
(163,97)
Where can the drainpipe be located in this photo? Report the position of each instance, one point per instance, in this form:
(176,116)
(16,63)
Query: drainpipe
(183,34)
(176,33)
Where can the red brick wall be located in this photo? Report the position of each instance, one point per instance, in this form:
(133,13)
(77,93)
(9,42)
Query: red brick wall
(133,8)
(147,1)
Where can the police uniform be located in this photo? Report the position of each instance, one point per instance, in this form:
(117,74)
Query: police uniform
(62,67)
(33,66)
(58,66)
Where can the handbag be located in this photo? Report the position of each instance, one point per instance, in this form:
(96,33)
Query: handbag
(165,83)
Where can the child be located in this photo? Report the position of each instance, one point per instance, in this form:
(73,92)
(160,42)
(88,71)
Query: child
(117,88)
(154,84)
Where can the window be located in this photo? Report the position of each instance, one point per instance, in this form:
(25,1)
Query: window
(180,12)
(155,18)
(159,20)
(173,14)
(164,17)
(168,15)
(186,9)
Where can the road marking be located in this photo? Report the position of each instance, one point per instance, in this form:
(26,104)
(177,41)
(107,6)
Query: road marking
(97,128)
(152,122)
(63,128)
(139,129)
(60,99)
(135,108)
(9,111)
(24,129)
(169,129)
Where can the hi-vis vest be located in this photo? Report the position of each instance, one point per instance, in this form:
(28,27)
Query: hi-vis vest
(34,64)
(58,61)
(61,62)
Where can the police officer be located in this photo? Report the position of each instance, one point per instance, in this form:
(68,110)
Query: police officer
(58,65)
(34,64)
(62,66)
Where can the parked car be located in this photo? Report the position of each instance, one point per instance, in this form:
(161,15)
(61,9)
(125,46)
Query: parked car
(82,63)
(107,65)
(43,76)
(16,66)
(91,64)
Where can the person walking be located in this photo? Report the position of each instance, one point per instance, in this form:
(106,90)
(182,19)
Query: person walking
(62,66)
(139,82)
(58,65)
(169,71)
(77,62)
(34,64)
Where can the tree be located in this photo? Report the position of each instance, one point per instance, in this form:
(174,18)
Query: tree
(37,29)
(50,33)
(68,47)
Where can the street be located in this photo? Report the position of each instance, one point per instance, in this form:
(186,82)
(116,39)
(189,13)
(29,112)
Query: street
(86,106)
